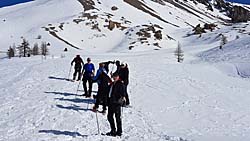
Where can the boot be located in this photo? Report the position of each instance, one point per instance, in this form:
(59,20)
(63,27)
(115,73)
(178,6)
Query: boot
(111,133)
(103,112)
(118,133)
(94,109)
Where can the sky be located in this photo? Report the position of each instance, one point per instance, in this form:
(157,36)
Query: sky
(241,1)
(4,3)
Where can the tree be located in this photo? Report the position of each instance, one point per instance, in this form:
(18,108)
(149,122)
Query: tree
(44,49)
(223,41)
(24,48)
(179,53)
(11,52)
(35,50)
(39,37)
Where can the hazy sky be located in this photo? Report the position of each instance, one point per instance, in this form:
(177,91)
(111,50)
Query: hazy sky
(241,1)
(11,2)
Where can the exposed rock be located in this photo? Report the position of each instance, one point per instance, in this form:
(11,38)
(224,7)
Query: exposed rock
(89,16)
(87,4)
(114,8)
(113,24)
(205,2)
(198,29)
(158,35)
(209,26)
(77,21)
(130,47)
(239,14)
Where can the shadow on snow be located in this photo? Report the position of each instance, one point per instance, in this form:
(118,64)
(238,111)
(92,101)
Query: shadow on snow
(74,107)
(66,133)
(62,93)
(77,100)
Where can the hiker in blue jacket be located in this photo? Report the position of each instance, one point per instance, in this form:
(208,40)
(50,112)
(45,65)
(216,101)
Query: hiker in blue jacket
(88,73)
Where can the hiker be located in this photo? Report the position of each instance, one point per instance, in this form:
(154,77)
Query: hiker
(78,67)
(103,81)
(116,99)
(124,76)
(106,65)
(118,65)
(88,73)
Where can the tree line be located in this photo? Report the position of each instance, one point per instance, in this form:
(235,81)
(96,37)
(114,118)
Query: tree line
(25,49)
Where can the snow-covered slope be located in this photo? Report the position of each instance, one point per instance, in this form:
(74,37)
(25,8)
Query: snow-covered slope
(205,98)
(67,24)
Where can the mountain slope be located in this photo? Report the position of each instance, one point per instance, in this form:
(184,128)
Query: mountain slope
(85,20)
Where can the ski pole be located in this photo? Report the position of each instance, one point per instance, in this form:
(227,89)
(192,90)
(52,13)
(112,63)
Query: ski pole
(97,123)
(78,87)
(79,83)
(69,71)
(88,104)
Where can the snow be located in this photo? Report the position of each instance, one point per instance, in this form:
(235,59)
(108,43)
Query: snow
(202,99)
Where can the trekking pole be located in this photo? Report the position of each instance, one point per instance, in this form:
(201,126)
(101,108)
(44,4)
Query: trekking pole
(78,87)
(69,71)
(98,127)
(88,104)
(79,83)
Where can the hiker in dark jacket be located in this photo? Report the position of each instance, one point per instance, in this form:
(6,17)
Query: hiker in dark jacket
(106,65)
(124,76)
(88,73)
(118,66)
(78,67)
(103,81)
(116,99)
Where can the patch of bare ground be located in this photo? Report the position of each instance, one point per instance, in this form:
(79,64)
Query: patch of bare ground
(87,4)
(143,7)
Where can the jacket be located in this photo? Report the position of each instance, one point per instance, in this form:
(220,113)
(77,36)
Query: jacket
(117,92)
(78,62)
(124,74)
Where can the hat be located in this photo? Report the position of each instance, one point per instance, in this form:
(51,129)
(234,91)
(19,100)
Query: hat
(115,74)
(117,62)
(88,59)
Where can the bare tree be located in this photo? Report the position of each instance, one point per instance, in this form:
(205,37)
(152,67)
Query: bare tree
(223,41)
(35,49)
(179,53)
(24,48)
(44,49)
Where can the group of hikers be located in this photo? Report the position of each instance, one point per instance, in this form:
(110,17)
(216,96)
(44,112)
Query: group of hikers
(111,94)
